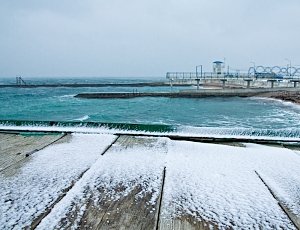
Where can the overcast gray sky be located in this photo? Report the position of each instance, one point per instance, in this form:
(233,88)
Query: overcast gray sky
(144,38)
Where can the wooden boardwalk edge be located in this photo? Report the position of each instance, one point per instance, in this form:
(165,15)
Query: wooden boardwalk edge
(285,142)
(34,151)
(293,218)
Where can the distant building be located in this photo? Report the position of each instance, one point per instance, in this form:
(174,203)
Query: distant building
(218,67)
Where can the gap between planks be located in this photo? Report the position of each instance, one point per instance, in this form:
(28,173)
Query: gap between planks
(39,219)
(108,147)
(292,217)
(160,199)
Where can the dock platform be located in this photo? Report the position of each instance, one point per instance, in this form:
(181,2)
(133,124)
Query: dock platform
(123,181)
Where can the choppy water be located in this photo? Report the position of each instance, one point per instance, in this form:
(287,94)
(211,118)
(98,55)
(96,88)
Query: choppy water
(235,116)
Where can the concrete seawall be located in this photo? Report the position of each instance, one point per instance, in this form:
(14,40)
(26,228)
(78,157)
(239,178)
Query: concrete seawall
(77,85)
(190,94)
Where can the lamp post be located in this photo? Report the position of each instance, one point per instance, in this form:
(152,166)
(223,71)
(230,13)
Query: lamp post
(254,68)
(197,79)
(290,62)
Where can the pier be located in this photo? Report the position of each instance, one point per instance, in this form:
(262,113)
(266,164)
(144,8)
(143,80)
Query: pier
(248,92)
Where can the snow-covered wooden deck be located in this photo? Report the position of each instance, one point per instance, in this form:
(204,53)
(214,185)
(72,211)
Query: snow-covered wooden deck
(104,181)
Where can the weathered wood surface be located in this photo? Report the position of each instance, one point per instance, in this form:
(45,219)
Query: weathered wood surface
(114,201)
(196,197)
(125,188)
(14,147)
(293,217)
(186,223)
(31,187)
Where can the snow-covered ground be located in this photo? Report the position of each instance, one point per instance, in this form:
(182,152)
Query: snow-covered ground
(38,183)
(280,169)
(214,183)
(218,184)
(116,174)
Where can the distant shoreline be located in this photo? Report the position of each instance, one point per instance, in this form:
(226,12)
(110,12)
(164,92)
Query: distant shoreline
(289,96)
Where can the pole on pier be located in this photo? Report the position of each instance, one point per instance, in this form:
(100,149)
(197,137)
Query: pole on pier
(197,79)
(248,82)
(295,82)
(272,82)
(223,82)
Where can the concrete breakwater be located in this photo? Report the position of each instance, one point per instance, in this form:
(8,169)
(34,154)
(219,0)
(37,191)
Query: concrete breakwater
(77,85)
(190,93)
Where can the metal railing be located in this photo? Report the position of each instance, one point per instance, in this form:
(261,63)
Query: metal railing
(277,71)
(205,75)
(210,75)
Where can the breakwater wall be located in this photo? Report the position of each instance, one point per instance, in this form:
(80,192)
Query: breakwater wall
(77,85)
(190,93)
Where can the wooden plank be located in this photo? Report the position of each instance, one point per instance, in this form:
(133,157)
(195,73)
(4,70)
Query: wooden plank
(293,217)
(211,187)
(114,203)
(31,187)
(186,222)
(14,148)
(125,213)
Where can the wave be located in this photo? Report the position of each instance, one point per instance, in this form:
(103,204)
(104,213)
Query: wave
(86,125)
(156,129)
(239,132)
(285,103)
(66,96)
(86,117)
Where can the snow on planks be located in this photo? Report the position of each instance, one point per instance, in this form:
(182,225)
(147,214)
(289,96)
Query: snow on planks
(280,171)
(150,183)
(30,188)
(120,191)
(212,186)
(14,147)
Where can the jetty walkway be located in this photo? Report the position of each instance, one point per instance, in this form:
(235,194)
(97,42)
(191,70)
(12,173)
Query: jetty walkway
(120,181)
(227,92)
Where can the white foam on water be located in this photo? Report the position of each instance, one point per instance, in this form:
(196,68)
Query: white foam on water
(184,131)
(249,133)
(66,96)
(86,117)
(282,102)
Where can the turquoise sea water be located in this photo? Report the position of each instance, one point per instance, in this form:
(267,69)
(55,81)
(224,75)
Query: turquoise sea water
(206,115)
